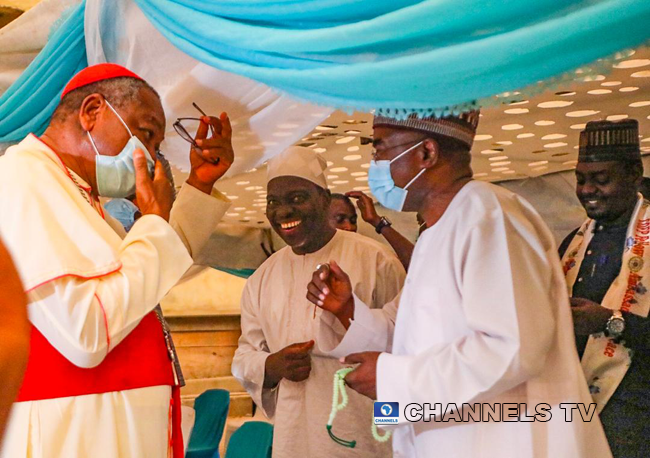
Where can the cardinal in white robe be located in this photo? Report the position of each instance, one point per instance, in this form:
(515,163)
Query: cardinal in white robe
(276,360)
(99,380)
(483,319)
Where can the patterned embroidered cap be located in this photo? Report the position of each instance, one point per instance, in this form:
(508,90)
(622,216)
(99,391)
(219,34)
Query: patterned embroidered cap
(603,141)
(298,161)
(459,127)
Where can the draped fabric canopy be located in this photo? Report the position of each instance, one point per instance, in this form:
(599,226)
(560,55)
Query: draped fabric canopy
(409,54)
(387,54)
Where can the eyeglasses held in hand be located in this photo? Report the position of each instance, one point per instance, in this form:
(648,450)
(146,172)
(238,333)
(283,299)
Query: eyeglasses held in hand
(193,124)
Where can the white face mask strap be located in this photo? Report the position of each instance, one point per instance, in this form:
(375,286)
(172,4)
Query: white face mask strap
(92,142)
(118,117)
(407,151)
(415,178)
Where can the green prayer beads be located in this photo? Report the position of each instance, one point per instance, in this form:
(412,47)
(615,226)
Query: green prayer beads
(339,389)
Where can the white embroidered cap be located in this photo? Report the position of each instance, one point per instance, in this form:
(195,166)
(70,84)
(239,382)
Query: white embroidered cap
(298,161)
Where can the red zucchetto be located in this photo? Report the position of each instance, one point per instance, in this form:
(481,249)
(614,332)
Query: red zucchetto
(97,73)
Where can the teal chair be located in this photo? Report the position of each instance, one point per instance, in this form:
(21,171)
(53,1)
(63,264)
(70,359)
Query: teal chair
(211,409)
(254,439)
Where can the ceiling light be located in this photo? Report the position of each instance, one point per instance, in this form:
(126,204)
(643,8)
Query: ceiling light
(555,145)
(512,127)
(516,111)
(344,140)
(555,104)
(581,113)
(578,126)
(553,136)
(481,137)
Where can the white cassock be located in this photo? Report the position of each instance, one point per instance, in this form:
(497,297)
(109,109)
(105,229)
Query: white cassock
(484,317)
(89,285)
(275,313)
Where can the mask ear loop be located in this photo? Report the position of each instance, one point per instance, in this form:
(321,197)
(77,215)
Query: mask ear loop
(92,142)
(414,178)
(118,117)
(407,151)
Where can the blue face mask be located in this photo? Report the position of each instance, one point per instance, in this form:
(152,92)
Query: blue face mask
(382,185)
(124,211)
(116,174)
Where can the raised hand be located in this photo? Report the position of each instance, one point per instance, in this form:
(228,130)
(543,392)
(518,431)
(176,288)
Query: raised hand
(154,196)
(366,207)
(292,362)
(214,156)
(330,289)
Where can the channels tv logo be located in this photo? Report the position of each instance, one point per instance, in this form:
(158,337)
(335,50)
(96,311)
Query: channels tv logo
(386,413)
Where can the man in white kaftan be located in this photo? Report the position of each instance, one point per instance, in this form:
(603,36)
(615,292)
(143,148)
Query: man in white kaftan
(90,286)
(483,318)
(276,314)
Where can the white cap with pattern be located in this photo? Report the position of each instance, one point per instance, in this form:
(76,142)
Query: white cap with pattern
(298,161)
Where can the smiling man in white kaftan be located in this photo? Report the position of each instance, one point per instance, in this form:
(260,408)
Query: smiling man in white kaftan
(276,315)
(483,319)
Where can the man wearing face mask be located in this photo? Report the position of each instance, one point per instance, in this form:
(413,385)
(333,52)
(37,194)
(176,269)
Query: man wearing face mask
(99,380)
(275,359)
(484,318)
(606,261)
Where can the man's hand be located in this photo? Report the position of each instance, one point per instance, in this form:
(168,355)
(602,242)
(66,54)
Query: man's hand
(330,289)
(363,379)
(366,207)
(154,197)
(292,362)
(588,316)
(214,156)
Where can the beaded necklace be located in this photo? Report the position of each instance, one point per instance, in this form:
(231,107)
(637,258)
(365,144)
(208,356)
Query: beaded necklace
(74,180)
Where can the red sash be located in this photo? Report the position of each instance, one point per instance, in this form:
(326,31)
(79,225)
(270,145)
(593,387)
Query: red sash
(141,360)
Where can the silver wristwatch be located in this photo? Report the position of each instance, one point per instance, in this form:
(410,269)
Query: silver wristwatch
(615,325)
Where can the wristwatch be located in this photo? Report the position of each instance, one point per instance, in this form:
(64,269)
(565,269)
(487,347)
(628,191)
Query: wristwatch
(615,325)
(383,222)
